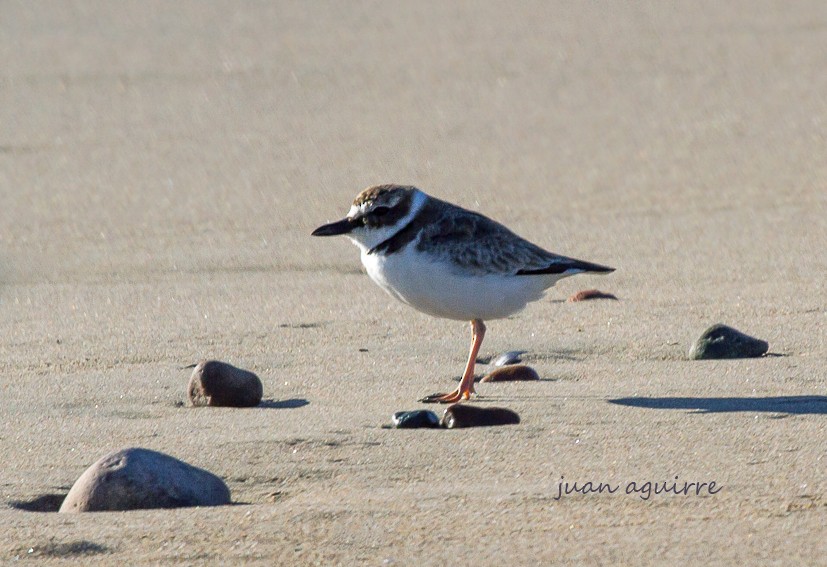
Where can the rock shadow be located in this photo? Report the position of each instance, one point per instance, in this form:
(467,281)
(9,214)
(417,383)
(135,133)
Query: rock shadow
(292,403)
(42,503)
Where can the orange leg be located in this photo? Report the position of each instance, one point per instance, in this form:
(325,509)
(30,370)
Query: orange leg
(466,385)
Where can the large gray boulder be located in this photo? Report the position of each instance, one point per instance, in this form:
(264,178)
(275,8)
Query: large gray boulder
(135,478)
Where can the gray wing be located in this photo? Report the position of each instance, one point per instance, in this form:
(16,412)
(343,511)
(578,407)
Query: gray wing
(479,246)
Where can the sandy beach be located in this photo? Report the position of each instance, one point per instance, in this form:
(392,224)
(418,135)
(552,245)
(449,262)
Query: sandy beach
(162,166)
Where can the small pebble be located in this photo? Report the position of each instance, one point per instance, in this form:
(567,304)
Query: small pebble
(466,415)
(216,383)
(136,479)
(512,373)
(587,294)
(510,357)
(721,341)
(415,419)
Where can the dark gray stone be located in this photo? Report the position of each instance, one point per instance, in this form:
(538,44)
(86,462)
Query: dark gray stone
(415,419)
(466,415)
(216,383)
(720,342)
(135,479)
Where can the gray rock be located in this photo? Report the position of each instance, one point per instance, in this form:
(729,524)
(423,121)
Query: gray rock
(135,479)
(510,357)
(720,341)
(216,383)
(415,419)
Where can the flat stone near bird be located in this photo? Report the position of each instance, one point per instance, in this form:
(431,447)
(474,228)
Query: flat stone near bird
(136,478)
(467,415)
(216,383)
(511,373)
(721,342)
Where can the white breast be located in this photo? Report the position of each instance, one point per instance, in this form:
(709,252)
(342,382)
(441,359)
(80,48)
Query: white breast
(433,287)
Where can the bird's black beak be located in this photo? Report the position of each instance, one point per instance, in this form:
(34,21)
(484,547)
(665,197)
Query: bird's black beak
(335,228)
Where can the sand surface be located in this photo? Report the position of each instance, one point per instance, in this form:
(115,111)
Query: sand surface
(163,164)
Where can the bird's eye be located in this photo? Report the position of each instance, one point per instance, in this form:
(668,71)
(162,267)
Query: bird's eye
(380,211)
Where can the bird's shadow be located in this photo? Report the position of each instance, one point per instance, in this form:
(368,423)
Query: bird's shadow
(292,403)
(802,405)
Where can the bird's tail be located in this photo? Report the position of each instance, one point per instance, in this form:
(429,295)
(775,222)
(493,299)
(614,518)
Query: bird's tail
(567,267)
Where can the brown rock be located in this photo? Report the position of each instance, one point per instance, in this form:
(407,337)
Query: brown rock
(587,294)
(216,383)
(135,479)
(511,373)
(465,415)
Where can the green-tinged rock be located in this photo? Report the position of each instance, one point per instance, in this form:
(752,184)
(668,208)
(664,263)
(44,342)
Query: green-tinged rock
(721,342)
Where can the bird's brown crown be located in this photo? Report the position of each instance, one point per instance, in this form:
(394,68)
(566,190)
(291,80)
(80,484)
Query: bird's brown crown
(388,194)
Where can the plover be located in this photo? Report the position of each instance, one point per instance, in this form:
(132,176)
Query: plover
(449,262)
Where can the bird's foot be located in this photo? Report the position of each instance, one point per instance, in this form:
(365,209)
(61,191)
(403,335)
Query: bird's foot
(449,398)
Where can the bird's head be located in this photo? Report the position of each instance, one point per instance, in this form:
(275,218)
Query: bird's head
(377,213)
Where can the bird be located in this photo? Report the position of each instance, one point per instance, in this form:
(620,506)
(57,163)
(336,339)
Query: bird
(449,262)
